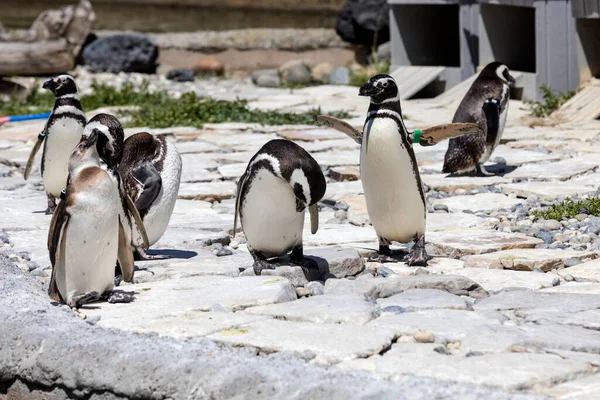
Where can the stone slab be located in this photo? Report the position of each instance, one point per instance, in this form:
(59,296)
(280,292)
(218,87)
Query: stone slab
(195,146)
(330,343)
(232,171)
(348,309)
(339,261)
(460,243)
(451,221)
(588,270)
(560,170)
(544,300)
(592,180)
(337,158)
(450,184)
(337,191)
(422,299)
(544,190)
(495,279)
(515,156)
(579,389)
(527,259)
(576,288)
(589,319)
(207,190)
(485,202)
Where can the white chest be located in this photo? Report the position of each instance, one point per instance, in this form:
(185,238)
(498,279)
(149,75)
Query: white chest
(390,183)
(62,138)
(269,217)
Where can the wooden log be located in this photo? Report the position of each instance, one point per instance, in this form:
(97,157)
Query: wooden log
(37,58)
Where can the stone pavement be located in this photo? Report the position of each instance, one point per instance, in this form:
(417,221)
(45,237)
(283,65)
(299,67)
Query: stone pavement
(508,302)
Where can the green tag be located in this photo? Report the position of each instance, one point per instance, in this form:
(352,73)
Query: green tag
(417,137)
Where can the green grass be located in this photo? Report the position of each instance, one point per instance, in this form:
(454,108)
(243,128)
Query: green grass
(159,110)
(569,209)
(552,101)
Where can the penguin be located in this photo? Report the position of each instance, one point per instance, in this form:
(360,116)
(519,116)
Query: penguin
(281,181)
(110,150)
(151,172)
(61,134)
(486,104)
(83,238)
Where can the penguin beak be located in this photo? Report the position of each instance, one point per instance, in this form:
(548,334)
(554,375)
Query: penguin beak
(90,140)
(48,85)
(511,80)
(368,89)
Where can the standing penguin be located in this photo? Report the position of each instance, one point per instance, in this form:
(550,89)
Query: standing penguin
(60,136)
(151,172)
(486,104)
(83,238)
(280,182)
(110,150)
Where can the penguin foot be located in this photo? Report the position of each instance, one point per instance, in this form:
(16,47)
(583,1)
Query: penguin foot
(481,171)
(417,256)
(118,279)
(259,265)
(118,296)
(140,255)
(382,258)
(89,297)
(51,204)
(50,210)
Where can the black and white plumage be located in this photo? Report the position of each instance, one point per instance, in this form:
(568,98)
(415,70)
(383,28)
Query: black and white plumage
(390,174)
(281,181)
(83,236)
(60,136)
(110,149)
(151,172)
(486,104)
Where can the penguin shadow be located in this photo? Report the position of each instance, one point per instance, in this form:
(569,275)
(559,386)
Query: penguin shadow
(171,254)
(498,169)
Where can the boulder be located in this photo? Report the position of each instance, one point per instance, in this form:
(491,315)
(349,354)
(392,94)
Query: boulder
(321,72)
(121,53)
(295,72)
(359,20)
(180,75)
(340,76)
(266,78)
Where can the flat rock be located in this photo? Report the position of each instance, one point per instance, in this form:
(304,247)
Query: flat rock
(450,221)
(232,171)
(336,191)
(512,371)
(294,274)
(341,262)
(515,156)
(592,180)
(423,299)
(588,270)
(195,146)
(335,158)
(207,190)
(392,285)
(544,190)
(576,288)
(544,300)
(579,389)
(340,235)
(527,259)
(331,343)
(485,202)
(467,242)
(360,285)
(560,170)
(589,319)
(345,173)
(495,279)
(346,309)
(450,184)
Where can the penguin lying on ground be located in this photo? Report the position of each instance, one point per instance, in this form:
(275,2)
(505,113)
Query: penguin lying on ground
(389,170)
(83,240)
(130,223)
(151,172)
(280,182)
(60,136)
(486,104)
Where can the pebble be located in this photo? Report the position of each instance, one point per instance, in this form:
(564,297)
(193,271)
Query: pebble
(234,244)
(568,278)
(31,265)
(39,272)
(223,251)
(571,262)
(385,272)
(217,308)
(440,207)
(315,288)
(552,225)
(340,76)
(302,292)
(341,215)
(421,271)
(423,336)
(556,281)
(93,320)
(581,217)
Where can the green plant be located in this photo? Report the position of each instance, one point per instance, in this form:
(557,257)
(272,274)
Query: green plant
(362,75)
(159,110)
(552,101)
(569,209)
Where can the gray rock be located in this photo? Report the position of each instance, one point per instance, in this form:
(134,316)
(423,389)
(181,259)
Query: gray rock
(315,288)
(571,262)
(268,81)
(296,73)
(392,285)
(384,52)
(422,299)
(440,207)
(273,72)
(294,274)
(340,76)
(223,251)
(121,53)
(39,272)
(552,225)
(181,75)
(556,281)
(341,262)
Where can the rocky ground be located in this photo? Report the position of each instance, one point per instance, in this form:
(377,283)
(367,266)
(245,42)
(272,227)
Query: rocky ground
(508,303)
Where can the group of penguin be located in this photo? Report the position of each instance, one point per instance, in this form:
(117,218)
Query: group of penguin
(117,196)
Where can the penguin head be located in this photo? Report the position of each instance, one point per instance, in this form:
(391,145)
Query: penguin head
(85,152)
(380,88)
(60,85)
(110,138)
(498,70)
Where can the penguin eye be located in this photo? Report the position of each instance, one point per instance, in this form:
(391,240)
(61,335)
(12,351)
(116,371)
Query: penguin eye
(384,84)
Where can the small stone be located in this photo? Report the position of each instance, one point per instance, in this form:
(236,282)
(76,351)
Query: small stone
(302,292)
(341,215)
(295,72)
(321,72)
(556,281)
(223,251)
(546,236)
(552,225)
(316,288)
(440,207)
(340,76)
(347,173)
(234,244)
(181,75)
(93,320)
(39,272)
(499,160)
(421,271)
(581,217)
(568,278)
(31,265)
(268,81)
(423,336)
(210,65)
(217,308)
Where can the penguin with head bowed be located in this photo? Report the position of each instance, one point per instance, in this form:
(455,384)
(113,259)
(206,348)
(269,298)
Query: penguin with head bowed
(389,170)
(60,136)
(486,104)
(110,149)
(281,181)
(83,239)
(151,172)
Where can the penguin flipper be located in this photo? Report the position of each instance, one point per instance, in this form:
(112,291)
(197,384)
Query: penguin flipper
(437,133)
(138,220)
(314,218)
(56,233)
(36,148)
(147,175)
(240,186)
(341,126)
(125,255)
(491,110)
